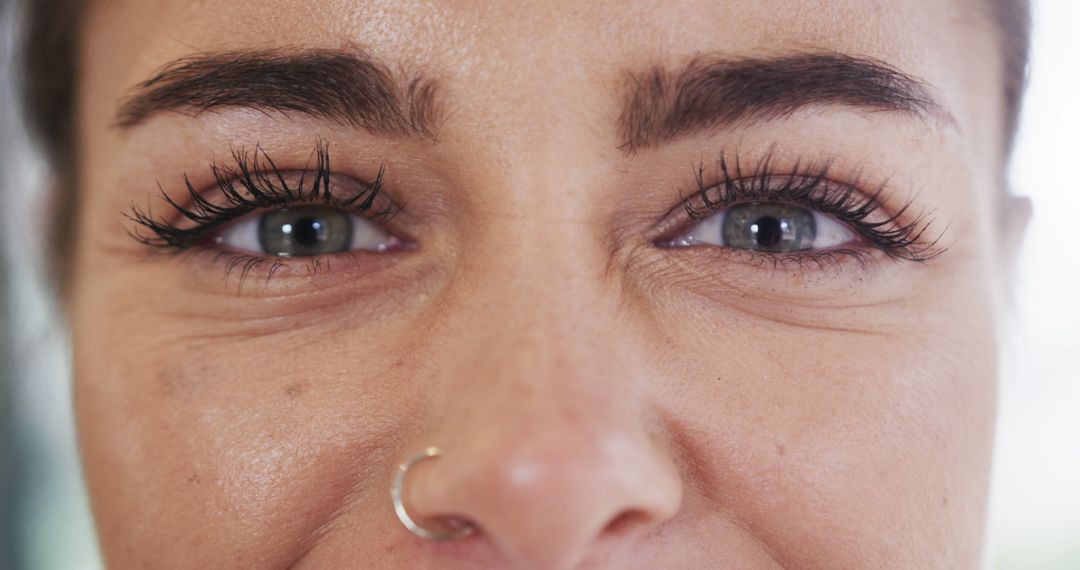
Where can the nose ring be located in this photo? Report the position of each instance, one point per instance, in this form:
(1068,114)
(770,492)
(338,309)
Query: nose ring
(403,514)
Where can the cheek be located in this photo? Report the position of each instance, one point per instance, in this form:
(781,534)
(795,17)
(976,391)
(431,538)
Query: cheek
(184,434)
(846,447)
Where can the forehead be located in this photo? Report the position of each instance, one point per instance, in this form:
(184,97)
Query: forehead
(534,53)
(427,28)
(463,36)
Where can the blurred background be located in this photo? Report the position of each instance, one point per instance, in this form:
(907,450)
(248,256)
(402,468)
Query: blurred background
(1035,521)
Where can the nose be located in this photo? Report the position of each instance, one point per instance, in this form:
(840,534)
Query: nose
(547,494)
(548,449)
(542,400)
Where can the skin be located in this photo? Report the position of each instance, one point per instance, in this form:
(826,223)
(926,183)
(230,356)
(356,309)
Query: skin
(602,402)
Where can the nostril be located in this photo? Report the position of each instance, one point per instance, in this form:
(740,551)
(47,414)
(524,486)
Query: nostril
(626,522)
(455,523)
(456,526)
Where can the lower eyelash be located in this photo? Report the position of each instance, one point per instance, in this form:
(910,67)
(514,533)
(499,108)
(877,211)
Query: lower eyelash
(824,260)
(240,269)
(815,189)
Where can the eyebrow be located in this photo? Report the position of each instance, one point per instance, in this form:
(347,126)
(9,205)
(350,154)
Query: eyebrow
(716,92)
(347,87)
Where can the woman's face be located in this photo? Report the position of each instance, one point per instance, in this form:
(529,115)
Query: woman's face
(680,285)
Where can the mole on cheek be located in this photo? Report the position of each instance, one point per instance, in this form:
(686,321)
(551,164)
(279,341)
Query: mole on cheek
(295,390)
(174,381)
(181,377)
(168,382)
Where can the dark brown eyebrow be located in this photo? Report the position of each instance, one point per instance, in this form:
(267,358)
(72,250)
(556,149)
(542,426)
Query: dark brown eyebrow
(347,87)
(716,92)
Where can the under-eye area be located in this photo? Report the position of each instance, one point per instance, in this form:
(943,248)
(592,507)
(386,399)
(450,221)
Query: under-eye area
(801,217)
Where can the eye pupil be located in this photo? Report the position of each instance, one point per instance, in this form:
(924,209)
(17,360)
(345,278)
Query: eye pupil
(767,231)
(307,231)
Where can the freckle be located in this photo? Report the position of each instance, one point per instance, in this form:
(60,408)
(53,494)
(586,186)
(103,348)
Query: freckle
(294,390)
(399,364)
(945,501)
(170,381)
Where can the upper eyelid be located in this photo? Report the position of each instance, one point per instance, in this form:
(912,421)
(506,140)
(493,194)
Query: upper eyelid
(266,186)
(672,215)
(767,181)
(335,197)
(898,231)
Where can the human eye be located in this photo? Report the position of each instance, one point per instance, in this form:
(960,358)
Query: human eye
(768,227)
(796,215)
(304,231)
(257,215)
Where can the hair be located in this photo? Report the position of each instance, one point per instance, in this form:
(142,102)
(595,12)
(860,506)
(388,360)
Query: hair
(51,74)
(1013,19)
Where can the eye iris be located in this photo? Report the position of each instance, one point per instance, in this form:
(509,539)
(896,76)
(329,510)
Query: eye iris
(769,227)
(305,231)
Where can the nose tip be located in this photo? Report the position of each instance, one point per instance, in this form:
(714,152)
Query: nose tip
(549,503)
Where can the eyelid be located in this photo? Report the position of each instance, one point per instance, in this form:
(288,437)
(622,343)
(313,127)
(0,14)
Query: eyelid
(695,207)
(899,232)
(349,194)
(253,183)
(191,232)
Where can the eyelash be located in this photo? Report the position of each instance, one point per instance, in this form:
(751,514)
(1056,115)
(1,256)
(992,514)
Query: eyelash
(253,182)
(815,188)
(262,185)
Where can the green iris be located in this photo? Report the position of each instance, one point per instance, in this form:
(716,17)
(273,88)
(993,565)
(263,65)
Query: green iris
(305,231)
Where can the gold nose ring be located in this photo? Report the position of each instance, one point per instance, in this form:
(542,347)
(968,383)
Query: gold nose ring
(403,514)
